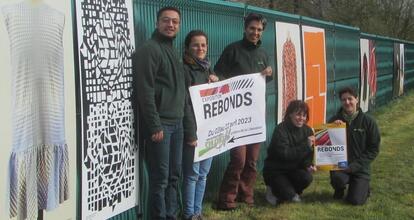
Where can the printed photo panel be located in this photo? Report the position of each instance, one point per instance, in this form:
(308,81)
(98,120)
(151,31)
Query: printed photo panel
(314,59)
(109,154)
(364,75)
(402,70)
(372,76)
(289,65)
(398,74)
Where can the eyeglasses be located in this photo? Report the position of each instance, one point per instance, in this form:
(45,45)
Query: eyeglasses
(167,20)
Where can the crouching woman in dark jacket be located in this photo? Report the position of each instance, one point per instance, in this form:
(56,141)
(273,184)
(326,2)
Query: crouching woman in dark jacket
(288,167)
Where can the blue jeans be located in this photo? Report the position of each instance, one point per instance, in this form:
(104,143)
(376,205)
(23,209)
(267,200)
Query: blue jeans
(194,182)
(164,162)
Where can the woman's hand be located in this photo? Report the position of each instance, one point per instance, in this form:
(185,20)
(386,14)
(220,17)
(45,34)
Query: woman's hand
(212,78)
(192,143)
(311,141)
(311,169)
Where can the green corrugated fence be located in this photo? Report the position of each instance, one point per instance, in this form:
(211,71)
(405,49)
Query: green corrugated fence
(223,22)
(385,58)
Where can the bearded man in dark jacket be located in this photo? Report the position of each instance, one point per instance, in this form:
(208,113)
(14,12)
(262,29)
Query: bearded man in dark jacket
(160,89)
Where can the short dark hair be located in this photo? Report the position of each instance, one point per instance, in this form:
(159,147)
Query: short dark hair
(297,106)
(349,90)
(254,17)
(193,33)
(168,8)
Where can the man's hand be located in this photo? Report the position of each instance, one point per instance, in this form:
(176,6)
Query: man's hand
(338,122)
(212,78)
(267,72)
(158,136)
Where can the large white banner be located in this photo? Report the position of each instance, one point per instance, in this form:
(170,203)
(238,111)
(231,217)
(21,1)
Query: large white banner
(229,113)
(108,153)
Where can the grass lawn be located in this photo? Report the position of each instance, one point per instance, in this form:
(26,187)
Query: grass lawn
(392,184)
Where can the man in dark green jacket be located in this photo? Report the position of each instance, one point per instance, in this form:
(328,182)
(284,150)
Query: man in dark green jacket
(160,89)
(363,141)
(242,57)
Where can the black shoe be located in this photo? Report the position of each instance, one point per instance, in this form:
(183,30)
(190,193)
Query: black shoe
(227,209)
(193,217)
(339,194)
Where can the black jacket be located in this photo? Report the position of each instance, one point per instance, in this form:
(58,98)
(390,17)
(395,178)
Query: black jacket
(289,149)
(194,75)
(159,83)
(363,141)
(241,57)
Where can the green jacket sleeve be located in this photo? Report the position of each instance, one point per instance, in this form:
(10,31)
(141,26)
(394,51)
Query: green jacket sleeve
(371,151)
(308,160)
(283,149)
(267,63)
(224,64)
(189,122)
(332,119)
(146,67)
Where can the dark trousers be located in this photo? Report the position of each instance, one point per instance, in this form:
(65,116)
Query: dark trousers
(164,163)
(358,190)
(240,176)
(285,185)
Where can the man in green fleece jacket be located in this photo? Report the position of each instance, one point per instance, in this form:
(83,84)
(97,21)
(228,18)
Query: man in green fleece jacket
(363,141)
(160,89)
(243,57)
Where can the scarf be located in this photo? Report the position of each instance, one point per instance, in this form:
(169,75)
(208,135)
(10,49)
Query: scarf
(350,118)
(204,63)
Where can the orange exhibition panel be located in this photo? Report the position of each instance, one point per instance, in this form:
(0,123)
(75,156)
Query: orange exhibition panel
(315,74)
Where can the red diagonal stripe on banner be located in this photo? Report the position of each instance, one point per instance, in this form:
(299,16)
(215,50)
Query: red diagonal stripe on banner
(225,89)
(324,139)
(208,92)
(212,91)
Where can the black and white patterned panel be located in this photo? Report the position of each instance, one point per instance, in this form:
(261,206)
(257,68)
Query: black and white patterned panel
(109,148)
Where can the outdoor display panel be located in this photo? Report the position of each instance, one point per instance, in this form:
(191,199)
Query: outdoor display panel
(289,66)
(38,164)
(398,77)
(372,76)
(108,147)
(315,73)
(364,75)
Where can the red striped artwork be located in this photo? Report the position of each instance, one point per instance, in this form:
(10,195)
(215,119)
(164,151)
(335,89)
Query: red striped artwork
(289,65)
(372,73)
(364,75)
(289,73)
